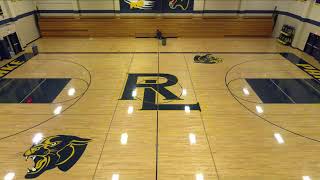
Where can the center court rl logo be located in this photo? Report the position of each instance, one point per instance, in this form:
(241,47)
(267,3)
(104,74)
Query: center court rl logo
(151,85)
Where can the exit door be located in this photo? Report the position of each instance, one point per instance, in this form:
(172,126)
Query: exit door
(312,46)
(9,46)
(15,43)
(4,51)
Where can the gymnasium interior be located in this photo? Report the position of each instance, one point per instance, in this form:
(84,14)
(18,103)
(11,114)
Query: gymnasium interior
(160,89)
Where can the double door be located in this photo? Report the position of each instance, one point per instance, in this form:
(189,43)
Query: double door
(9,46)
(312,46)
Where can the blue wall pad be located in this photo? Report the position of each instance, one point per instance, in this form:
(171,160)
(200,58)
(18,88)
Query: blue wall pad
(299,91)
(31,90)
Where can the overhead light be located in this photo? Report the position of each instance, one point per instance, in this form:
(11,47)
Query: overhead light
(192,138)
(184,92)
(134,93)
(9,176)
(71,91)
(124,138)
(130,110)
(279,138)
(57,110)
(115,176)
(187,109)
(199,176)
(306,178)
(259,109)
(37,138)
(246,91)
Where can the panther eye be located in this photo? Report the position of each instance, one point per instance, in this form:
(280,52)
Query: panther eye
(53,144)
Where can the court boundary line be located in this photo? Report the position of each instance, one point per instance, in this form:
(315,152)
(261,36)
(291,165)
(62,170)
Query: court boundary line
(157,135)
(202,121)
(113,117)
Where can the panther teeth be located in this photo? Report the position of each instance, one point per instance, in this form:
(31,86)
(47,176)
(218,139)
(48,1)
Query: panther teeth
(33,169)
(32,157)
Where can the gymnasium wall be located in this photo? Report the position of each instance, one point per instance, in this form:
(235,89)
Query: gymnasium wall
(186,27)
(303,15)
(5,29)
(237,7)
(110,7)
(19,17)
(77,7)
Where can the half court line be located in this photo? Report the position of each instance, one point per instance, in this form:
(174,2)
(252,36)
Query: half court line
(157,135)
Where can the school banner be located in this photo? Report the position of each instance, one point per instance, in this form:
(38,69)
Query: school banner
(156,6)
(140,6)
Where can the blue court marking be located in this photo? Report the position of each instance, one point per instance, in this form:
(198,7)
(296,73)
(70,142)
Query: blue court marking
(288,91)
(31,90)
(315,84)
(17,90)
(267,91)
(4,83)
(300,90)
(25,57)
(47,91)
(292,58)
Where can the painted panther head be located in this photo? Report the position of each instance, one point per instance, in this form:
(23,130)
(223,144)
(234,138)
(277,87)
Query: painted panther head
(182,4)
(207,59)
(60,151)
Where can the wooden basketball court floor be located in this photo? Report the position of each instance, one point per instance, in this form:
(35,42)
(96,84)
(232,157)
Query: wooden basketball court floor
(246,129)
